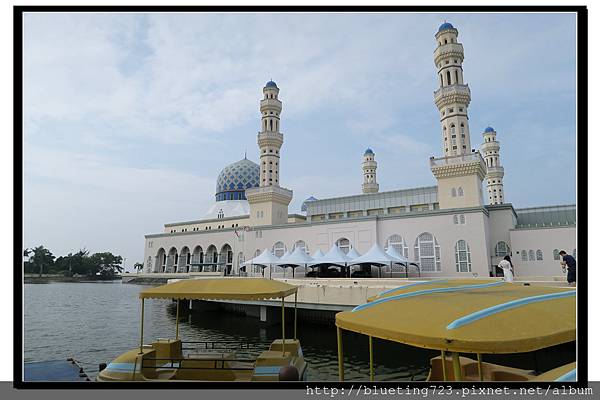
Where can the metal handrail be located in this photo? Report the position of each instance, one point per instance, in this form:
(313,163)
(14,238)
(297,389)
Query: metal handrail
(220,345)
(215,364)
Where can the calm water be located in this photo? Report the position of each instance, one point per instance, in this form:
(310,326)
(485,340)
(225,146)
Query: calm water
(95,322)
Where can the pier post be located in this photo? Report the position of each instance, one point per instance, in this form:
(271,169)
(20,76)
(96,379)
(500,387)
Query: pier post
(142,330)
(283,326)
(456,366)
(371,371)
(444,374)
(340,354)
(295,313)
(177,322)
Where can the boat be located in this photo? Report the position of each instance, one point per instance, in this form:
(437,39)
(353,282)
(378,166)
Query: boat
(169,360)
(470,317)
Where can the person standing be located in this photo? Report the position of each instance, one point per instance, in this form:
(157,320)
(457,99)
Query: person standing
(570,263)
(507,268)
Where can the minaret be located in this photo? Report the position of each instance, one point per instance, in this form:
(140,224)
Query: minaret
(495,171)
(460,171)
(453,97)
(369,167)
(269,202)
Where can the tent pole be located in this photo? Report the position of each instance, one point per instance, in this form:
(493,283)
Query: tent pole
(371,371)
(340,354)
(142,330)
(177,322)
(479,367)
(295,313)
(406,270)
(283,326)
(456,366)
(444,374)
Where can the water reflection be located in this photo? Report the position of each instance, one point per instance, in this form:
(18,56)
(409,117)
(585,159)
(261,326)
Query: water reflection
(95,322)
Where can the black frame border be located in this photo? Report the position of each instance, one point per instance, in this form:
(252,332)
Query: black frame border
(582,192)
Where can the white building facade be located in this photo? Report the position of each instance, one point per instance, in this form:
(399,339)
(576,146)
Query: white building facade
(448,229)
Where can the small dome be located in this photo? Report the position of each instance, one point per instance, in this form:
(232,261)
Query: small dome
(444,26)
(304,206)
(271,84)
(489,129)
(235,178)
(368,151)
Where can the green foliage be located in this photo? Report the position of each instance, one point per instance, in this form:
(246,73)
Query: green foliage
(40,260)
(104,265)
(138,266)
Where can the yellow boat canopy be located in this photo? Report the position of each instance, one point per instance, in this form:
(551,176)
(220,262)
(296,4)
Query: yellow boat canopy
(470,316)
(221,289)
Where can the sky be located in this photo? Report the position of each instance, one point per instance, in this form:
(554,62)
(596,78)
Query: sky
(129,118)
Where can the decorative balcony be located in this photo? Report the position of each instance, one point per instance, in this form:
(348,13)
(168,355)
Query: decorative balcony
(462,164)
(452,89)
(449,49)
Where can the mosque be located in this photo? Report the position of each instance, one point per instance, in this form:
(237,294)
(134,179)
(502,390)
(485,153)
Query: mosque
(452,229)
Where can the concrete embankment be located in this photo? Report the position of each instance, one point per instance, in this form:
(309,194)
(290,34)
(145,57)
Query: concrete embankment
(319,299)
(46,278)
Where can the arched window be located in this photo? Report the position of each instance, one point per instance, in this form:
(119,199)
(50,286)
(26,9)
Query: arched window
(398,243)
(453,191)
(276,125)
(531,255)
(462,256)
(455,218)
(300,244)
(460,191)
(523,255)
(462,219)
(456,76)
(265,124)
(555,254)
(448,78)
(452,130)
(220,214)
(343,244)
(441,80)
(271,124)
(279,249)
(539,256)
(427,252)
(502,249)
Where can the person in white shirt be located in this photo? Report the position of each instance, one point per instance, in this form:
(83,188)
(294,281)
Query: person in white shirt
(507,268)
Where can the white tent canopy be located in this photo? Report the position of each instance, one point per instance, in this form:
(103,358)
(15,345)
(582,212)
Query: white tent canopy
(317,255)
(391,251)
(283,258)
(265,258)
(375,255)
(352,254)
(297,257)
(334,256)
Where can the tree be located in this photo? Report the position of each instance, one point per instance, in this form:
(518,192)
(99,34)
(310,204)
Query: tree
(138,266)
(107,264)
(42,259)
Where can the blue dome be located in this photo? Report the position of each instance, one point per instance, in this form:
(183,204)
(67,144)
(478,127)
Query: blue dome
(304,205)
(444,26)
(271,84)
(235,178)
(368,151)
(489,129)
